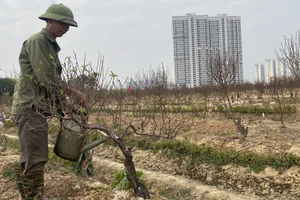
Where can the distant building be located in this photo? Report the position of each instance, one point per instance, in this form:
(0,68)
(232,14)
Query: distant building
(260,73)
(270,70)
(282,70)
(193,36)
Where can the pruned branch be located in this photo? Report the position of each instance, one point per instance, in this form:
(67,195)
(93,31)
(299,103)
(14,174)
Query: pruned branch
(248,147)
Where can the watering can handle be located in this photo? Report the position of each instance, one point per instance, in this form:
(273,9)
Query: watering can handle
(83,115)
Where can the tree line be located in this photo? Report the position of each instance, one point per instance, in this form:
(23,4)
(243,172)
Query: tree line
(7,86)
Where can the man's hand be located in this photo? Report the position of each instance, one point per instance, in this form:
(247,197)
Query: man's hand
(67,104)
(78,96)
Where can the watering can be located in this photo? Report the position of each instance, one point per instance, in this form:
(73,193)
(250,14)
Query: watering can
(70,141)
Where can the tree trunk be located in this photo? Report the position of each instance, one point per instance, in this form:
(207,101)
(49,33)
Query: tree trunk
(139,189)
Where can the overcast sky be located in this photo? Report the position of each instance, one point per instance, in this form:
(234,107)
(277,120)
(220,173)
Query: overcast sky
(135,35)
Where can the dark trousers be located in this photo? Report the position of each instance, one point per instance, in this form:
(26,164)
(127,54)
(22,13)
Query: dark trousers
(33,137)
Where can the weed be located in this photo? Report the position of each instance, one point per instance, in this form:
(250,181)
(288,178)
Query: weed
(53,128)
(120,181)
(8,171)
(13,143)
(9,124)
(229,133)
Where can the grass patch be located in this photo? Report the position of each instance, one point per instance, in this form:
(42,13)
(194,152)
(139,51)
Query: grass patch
(11,143)
(201,154)
(195,154)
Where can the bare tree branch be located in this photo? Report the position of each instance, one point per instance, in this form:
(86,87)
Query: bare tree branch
(223,68)
(289,54)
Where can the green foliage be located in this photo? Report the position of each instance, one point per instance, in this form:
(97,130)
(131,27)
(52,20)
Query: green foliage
(195,109)
(113,75)
(94,135)
(9,124)
(120,181)
(13,143)
(176,109)
(220,109)
(81,110)
(58,161)
(53,128)
(267,110)
(156,109)
(200,115)
(8,171)
(78,167)
(228,133)
(7,85)
(197,154)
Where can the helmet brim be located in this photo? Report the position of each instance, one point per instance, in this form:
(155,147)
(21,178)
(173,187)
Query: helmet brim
(59,18)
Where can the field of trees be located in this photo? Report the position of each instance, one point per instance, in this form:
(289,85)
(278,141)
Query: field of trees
(225,141)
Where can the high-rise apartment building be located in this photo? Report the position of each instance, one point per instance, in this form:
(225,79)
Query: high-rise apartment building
(281,69)
(194,36)
(260,73)
(270,69)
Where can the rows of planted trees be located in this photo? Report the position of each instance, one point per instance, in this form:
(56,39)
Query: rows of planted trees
(147,106)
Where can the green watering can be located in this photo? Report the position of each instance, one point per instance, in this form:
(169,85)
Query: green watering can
(70,141)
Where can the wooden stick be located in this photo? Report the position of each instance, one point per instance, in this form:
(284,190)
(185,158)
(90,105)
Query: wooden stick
(253,145)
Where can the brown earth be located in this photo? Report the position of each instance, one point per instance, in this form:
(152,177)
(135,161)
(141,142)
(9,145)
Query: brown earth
(168,179)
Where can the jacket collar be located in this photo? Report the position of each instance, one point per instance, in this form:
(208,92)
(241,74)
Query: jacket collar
(50,38)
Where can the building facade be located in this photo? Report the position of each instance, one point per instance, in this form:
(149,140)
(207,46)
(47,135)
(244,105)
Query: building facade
(271,71)
(194,36)
(260,73)
(281,69)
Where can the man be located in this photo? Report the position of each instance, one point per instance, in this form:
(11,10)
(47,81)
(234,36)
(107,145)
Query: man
(39,92)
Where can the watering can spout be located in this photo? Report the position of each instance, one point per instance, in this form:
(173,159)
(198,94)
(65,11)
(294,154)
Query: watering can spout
(92,145)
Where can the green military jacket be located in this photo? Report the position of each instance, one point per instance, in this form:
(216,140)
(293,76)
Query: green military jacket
(39,83)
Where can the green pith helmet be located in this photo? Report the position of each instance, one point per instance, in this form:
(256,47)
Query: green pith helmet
(59,12)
